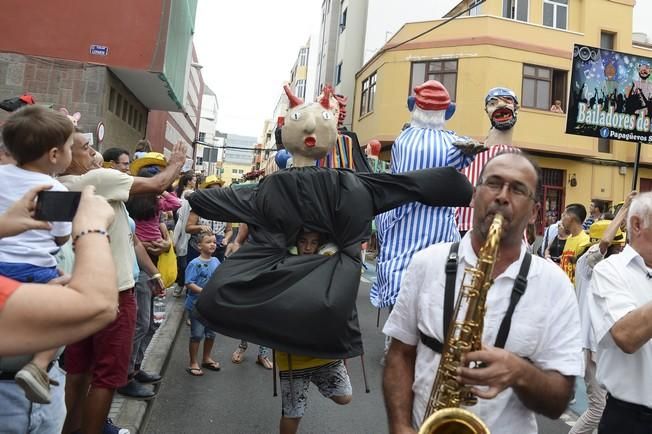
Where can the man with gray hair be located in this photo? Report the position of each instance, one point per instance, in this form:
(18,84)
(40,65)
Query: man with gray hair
(621,314)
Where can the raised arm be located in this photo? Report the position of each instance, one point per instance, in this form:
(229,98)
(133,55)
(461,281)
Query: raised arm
(612,229)
(161,181)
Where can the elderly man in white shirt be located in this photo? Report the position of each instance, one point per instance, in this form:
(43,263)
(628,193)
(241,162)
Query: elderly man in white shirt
(621,315)
(535,372)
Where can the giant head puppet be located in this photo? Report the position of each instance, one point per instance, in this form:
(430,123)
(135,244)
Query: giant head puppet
(423,144)
(310,130)
(501,105)
(306,304)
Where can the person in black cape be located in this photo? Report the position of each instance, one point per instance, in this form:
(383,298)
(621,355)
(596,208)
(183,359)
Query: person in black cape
(306,304)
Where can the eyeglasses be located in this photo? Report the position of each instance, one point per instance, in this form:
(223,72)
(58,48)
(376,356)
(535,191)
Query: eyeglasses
(495,184)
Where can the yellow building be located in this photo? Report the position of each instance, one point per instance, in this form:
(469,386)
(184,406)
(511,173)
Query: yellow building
(233,172)
(525,45)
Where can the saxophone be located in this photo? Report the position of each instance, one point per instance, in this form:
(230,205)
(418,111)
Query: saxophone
(443,414)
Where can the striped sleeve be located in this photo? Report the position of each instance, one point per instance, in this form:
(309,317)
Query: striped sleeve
(465,215)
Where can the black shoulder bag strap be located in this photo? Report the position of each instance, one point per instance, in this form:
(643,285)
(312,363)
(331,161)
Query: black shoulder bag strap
(449,300)
(520,284)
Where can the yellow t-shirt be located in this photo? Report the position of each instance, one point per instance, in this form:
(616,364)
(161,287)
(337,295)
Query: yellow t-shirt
(575,246)
(114,186)
(298,362)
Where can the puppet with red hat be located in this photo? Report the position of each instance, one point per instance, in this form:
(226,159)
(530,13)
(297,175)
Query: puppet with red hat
(422,144)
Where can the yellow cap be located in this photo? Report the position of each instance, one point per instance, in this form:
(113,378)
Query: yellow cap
(597,230)
(149,159)
(212,180)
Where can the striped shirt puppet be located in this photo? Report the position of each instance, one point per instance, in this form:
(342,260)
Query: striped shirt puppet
(414,226)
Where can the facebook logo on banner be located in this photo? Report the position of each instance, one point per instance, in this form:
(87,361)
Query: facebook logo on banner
(604,132)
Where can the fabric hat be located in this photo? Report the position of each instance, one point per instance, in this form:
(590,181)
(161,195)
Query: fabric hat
(597,230)
(211,180)
(432,95)
(149,159)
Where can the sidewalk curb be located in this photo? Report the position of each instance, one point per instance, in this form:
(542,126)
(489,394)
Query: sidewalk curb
(130,413)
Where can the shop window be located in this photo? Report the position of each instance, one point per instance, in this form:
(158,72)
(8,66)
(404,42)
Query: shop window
(552,197)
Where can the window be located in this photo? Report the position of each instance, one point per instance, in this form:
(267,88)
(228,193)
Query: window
(604,145)
(555,13)
(338,74)
(607,40)
(125,109)
(444,71)
(516,9)
(343,20)
(475,8)
(303,56)
(368,95)
(300,89)
(112,98)
(130,116)
(118,106)
(202,137)
(542,86)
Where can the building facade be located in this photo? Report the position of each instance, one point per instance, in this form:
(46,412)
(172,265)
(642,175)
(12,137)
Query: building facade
(525,45)
(207,139)
(112,64)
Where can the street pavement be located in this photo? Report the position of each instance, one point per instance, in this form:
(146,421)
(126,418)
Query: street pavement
(239,398)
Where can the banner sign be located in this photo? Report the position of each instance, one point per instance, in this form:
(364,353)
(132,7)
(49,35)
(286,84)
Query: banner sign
(610,95)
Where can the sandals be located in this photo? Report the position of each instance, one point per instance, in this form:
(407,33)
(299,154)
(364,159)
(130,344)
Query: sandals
(238,355)
(264,362)
(195,372)
(212,365)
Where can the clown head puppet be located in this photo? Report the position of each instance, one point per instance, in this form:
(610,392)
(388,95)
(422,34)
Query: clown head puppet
(310,130)
(501,105)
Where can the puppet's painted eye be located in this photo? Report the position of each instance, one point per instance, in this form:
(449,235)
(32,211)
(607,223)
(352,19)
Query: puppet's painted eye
(327,115)
(296,116)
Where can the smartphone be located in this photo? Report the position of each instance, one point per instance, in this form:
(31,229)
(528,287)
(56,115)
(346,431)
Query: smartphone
(57,206)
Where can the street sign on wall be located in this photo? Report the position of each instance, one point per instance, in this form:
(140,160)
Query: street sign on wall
(610,95)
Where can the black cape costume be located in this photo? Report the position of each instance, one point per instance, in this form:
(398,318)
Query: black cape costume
(306,304)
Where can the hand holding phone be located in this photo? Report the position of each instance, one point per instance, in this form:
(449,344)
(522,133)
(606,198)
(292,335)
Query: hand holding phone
(57,206)
(19,217)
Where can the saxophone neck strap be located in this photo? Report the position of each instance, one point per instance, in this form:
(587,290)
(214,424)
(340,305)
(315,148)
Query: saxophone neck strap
(520,285)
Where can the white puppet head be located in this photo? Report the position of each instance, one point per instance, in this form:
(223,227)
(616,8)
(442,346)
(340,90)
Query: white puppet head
(310,130)
(431,101)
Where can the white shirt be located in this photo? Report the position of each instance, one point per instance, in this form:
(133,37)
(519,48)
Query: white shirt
(583,273)
(545,327)
(36,247)
(619,286)
(114,186)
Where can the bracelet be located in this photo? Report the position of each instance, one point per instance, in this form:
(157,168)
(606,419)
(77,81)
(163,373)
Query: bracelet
(89,231)
(155,276)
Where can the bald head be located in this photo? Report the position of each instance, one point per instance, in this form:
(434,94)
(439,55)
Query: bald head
(509,160)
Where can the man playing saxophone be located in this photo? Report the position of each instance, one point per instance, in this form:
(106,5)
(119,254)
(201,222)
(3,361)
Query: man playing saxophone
(531,346)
